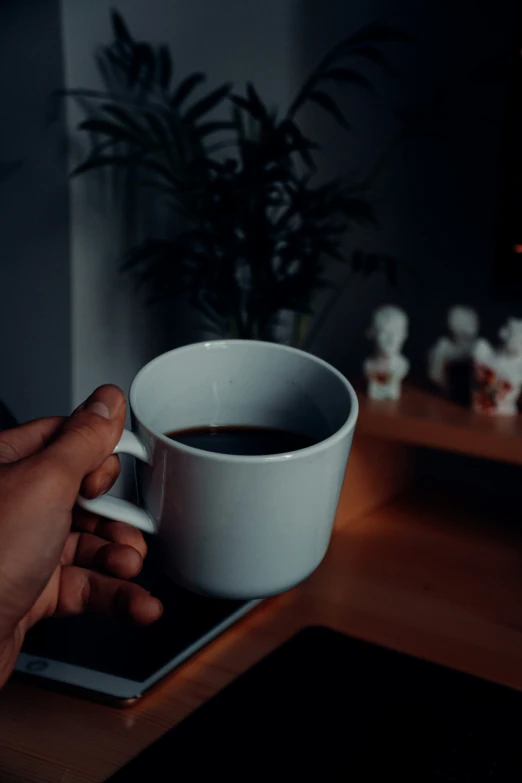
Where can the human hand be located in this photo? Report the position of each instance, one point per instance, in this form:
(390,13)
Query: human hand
(55,558)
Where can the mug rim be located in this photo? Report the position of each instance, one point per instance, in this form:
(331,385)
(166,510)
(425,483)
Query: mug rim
(322,445)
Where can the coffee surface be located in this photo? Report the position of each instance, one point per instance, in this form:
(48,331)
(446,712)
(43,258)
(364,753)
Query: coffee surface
(242,440)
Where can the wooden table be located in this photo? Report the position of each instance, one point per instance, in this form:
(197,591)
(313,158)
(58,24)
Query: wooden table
(444,584)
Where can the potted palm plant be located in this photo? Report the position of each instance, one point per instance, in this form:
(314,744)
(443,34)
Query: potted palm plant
(252,227)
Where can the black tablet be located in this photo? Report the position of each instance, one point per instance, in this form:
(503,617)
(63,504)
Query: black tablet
(326,707)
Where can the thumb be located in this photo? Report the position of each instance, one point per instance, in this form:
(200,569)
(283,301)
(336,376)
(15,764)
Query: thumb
(87,437)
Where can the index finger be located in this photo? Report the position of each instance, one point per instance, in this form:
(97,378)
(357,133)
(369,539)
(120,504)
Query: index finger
(28,439)
(116,532)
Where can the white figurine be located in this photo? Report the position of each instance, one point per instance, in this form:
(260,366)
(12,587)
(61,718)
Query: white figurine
(386,369)
(497,375)
(463,325)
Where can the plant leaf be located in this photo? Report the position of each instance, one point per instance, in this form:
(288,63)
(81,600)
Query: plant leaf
(167,190)
(110,59)
(371,34)
(108,128)
(258,109)
(240,102)
(207,103)
(142,66)
(329,105)
(364,43)
(347,76)
(375,56)
(119,28)
(158,129)
(206,128)
(125,118)
(83,93)
(186,87)
(99,161)
(164,67)
(162,169)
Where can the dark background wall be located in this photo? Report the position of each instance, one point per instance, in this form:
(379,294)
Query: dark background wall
(35,323)
(441,121)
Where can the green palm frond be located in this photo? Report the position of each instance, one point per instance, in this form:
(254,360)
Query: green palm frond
(255,234)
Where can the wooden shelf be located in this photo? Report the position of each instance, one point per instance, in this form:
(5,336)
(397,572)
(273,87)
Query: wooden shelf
(424,419)
(433,573)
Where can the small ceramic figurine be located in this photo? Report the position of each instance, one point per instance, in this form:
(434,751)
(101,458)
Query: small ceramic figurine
(497,374)
(386,369)
(455,352)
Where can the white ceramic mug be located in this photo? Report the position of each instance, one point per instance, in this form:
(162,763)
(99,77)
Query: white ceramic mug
(237,526)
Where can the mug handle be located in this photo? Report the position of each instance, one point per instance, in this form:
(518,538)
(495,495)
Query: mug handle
(116,508)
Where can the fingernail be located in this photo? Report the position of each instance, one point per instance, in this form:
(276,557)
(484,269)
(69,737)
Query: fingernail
(106,401)
(100,408)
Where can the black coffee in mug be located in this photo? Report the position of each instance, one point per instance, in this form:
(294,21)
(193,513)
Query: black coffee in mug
(246,441)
